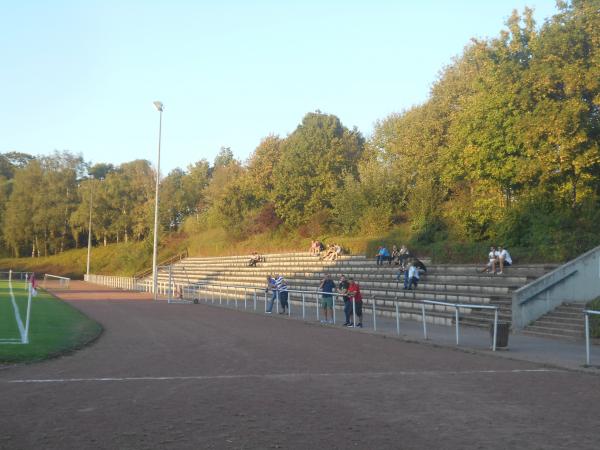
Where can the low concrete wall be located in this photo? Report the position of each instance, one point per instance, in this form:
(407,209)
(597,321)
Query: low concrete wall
(576,281)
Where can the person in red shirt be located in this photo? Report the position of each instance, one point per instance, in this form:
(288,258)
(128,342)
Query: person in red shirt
(356,297)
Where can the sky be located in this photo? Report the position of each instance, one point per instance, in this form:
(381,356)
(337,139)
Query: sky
(82,75)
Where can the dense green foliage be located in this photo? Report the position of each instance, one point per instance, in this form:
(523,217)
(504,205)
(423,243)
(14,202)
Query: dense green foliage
(55,327)
(505,150)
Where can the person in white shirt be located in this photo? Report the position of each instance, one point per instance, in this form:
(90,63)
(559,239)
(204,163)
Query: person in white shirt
(503,259)
(413,276)
(492,260)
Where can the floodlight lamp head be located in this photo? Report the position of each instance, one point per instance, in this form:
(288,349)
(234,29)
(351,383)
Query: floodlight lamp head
(159,105)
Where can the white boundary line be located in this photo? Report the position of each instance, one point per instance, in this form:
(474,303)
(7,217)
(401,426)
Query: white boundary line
(17,313)
(280,376)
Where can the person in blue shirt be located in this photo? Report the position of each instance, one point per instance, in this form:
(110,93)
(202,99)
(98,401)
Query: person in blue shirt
(383,254)
(326,288)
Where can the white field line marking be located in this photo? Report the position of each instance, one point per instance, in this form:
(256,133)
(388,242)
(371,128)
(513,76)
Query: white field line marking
(283,376)
(17,312)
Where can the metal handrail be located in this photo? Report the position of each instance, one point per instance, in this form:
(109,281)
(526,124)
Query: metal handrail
(587,313)
(457,306)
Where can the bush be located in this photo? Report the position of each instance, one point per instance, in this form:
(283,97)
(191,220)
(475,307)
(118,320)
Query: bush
(262,220)
(594,319)
(317,225)
(375,220)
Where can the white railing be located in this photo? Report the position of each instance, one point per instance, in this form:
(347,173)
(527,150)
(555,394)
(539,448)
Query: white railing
(587,313)
(457,307)
(127,283)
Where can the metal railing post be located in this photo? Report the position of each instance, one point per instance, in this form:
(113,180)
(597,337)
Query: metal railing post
(397,319)
(277,300)
(289,304)
(266,292)
(494,339)
(220,295)
(245,298)
(374,315)
(254,298)
(353,312)
(587,338)
(456,320)
(317,303)
(303,307)
(170,291)
(333,297)
(424,321)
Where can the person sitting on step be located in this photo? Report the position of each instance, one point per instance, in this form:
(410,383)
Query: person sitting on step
(503,259)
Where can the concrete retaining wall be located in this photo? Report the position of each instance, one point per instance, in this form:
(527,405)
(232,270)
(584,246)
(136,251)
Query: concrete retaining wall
(576,281)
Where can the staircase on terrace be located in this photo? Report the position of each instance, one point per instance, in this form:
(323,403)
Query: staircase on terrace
(447,283)
(565,321)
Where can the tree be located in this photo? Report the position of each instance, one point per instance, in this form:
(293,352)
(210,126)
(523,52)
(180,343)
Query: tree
(224,157)
(314,161)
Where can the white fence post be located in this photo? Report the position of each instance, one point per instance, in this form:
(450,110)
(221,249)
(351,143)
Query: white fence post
(374,314)
(587,338)
(424,321)
(303,307)
(495,330)
(456,320)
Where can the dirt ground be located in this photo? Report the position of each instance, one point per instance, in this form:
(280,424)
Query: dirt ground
(200,376)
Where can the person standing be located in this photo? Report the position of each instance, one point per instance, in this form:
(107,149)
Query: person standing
(342,288)
(282,291)
(413,276)
(326,287)
(407,275)
(356,300)
(271,285)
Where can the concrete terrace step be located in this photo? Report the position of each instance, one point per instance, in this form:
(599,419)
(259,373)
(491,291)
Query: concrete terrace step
(442,282)
(388,290)
(511,282)
(535,329)
(314,279)
(566,320)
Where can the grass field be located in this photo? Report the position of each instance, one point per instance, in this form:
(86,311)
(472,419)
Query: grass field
(55,327)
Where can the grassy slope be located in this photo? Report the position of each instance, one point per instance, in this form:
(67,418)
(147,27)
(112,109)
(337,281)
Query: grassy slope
(127,259)
(55,327)
(117,259)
